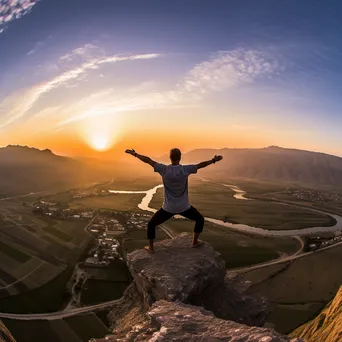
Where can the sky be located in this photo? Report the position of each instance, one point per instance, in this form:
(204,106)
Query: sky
(78,76)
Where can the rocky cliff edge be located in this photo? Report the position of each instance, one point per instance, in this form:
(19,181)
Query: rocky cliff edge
(5,335)
(327,326)
(181,293)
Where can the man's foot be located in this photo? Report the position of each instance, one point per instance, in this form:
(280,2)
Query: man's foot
(197,243)
(149,249)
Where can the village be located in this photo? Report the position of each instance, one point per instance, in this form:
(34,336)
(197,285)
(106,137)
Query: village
(318,242)
(107,227)
(313,195)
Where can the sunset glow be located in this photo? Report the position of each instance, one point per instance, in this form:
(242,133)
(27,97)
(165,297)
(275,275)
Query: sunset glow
(111,87)
(99,142)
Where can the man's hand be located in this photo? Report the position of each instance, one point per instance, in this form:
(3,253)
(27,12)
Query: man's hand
(132,152)
(217,158)
(209,162)
(144,159)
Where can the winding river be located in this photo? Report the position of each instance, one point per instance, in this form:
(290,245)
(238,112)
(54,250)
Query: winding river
(240,195)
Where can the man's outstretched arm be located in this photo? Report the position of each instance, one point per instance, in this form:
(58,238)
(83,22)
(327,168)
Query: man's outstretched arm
(144,159)
(209,162)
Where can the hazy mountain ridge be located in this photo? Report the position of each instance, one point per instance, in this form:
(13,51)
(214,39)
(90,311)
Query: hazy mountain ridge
(273,164)
(24,169)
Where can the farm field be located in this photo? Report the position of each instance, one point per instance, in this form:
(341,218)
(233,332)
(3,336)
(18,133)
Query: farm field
(99,291)
(120,202)
(105,284)
(136,239)
(34,251)
(217,201)
(300,289)
(46,298)
(72,329)
(278,192)
(138,184)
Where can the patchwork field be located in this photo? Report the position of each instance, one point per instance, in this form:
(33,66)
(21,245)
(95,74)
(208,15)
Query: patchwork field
(105,284)
(299,290)
(38,254)
(217,201)
(136,238)
(326,198)
(73,329)
(121,202)
(34,250)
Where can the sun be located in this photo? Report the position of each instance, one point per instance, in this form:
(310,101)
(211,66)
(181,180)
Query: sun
(100,132)
(99,142)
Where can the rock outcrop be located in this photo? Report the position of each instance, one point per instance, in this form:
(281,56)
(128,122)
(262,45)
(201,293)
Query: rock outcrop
(327,326)
(174,321)
(181,293)
(5,335)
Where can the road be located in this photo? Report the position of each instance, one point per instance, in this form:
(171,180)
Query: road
(295,256)
(24,277)
(83,310)
(87,309)
(90,223)
(58,314)
(24,195)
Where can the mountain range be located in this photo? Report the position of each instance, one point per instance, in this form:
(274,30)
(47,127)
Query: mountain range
(24,169)
(274,164)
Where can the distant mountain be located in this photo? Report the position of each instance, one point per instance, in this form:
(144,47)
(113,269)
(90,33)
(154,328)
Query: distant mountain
(272,164)
(327,326)
(24,169)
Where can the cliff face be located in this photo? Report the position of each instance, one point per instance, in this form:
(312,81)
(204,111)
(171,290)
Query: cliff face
(327,326)
(184,294)
(5,335)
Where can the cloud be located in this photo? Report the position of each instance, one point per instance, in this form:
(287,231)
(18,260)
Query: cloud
(228,69)
(38,45)
(17,106)
(86,52)
(224,70)
(109,102)
(14,9)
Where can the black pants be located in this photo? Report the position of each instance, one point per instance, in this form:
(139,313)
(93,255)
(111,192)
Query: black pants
(161,216)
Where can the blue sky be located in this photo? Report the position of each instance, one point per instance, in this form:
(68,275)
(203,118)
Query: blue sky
(235,73)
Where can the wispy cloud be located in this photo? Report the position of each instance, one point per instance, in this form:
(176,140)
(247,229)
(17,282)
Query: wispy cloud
(86,52)
(223,71)
(228,69)
(13,9)
(38,46)
(16,108)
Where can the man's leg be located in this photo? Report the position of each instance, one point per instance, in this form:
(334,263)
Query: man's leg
(194,215)
(158,218)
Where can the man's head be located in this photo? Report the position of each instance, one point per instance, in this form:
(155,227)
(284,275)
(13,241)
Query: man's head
(175,155)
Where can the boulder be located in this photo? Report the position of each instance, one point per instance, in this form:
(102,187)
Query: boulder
(197,276)
(181,293)
(178,322)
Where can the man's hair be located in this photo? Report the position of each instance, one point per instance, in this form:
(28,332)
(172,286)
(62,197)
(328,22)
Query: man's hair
(175,154)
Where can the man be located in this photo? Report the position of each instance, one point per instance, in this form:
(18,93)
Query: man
(176,199)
